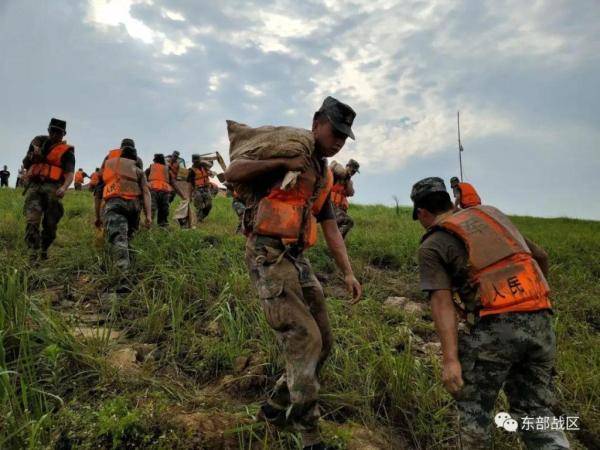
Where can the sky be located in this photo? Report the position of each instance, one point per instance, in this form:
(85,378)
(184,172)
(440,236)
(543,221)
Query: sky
(168,73)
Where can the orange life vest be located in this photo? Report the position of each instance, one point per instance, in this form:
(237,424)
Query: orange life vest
(120,179)
(338,196)
(507,277)
(468,195)
(94,179)
(201,177)
(116,153)
(78,177)
(281,213)
(51,168)
(158,179)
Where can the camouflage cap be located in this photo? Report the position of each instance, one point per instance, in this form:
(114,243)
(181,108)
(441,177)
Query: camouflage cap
(354,164)
(454,180)
(423,188)
(127,142)
(58,124)
(340,115)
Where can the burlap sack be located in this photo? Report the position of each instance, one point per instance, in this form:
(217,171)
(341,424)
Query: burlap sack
(339,171)
(268,142)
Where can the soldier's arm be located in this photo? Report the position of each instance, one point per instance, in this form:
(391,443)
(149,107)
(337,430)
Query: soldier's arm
(146,197)
(540,255)
(444,318)
(175,186)
(246,170)
(337,247)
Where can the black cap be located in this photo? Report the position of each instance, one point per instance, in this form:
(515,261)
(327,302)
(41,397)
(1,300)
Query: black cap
(127,142)
(423,188)
(354,164)
(340,115)
(58,125)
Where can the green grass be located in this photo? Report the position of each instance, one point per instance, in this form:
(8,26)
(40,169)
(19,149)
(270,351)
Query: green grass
(193,303)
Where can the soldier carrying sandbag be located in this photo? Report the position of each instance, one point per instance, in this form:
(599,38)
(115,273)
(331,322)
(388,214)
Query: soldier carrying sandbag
(341,190)
(283,176)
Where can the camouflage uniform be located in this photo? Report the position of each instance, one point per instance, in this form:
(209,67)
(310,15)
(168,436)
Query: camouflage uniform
(202,202)
(515,352)
(121,220)
(239,208)
(294,305)
(42,206)
(344,221)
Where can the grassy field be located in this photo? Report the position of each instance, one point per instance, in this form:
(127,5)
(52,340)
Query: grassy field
(184,359)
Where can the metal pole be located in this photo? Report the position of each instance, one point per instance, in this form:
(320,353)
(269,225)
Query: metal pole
(460,148)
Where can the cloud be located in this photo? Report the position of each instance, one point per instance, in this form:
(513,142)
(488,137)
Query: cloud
(170,73)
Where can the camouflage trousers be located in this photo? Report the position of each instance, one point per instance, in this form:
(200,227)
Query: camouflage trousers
(77,186)
(344,221)
(239,208)
(515,352)
(202,202)
(160,207)
(42,207)
(121,221)
(294,306)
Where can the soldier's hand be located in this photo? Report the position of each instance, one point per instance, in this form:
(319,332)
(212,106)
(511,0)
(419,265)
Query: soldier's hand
(354,288)
(60,192)
(297,164)
(452,377)
(148,222)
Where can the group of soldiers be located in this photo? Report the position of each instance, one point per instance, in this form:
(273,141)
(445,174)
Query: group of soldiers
(474,266)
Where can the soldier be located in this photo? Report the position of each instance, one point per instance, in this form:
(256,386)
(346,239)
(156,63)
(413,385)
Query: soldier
(199,177)
(21,177)
(291,296)
(161,184)
(478,256)
(99,189)
(465,194)
(80,176)
(341,190)
(174,161)
(50,163)
(94,179)
(4,176)
(124,188)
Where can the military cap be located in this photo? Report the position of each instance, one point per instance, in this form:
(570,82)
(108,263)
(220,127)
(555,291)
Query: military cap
(195,157)
(340,115)
(354,164)
(454,180)
(423,188)
(127,142)
(58,125)
(176,153)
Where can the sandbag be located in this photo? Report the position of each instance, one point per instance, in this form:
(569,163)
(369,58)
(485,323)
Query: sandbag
(339,171)
(268,142)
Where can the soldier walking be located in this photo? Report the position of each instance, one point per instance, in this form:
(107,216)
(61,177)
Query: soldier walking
(465,194)
(291,296)
(125,192)
(499,277)
(161,184)
(341,190)
(50,163)
(4,176)
(80,176)
(199,178)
